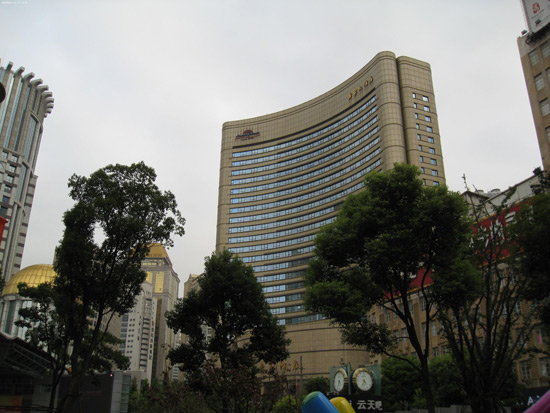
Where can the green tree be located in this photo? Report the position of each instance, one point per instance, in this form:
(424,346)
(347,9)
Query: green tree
(448,389)
(400,382)
(480,308)
(287,404)
(45,330)
(128,212)
(166,396)
(321,384)
(394,232)
(231,303)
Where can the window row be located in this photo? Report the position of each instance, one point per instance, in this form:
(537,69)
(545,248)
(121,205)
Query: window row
(534,56)
(272,245)
(428,128)
(278,255)
(432,172)
(525,368)
(311,155)
(304,197)
(540,82)
(429,139)
(284,298)
(425,117)
(300,320)
(283,287)
(282,276)
(423,149)
(545,107)
(12,157)
(279,234)
(290,309)
(302,177)
(302,188)
(281,265)
(314,144)
(424,107)
(424,98)
(432,161)
(307,137)
(282,223)
(434,183)
(301,208)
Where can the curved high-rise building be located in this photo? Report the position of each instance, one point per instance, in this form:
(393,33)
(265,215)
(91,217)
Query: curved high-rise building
(286,174)
(22,113)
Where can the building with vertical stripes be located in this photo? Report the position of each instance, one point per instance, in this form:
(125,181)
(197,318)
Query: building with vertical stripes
(27,103)
(285,175)
(165,286)
(137,334)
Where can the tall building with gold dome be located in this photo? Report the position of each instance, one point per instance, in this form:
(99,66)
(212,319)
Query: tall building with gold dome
(27,103)
(11,302)
(165,285)
(285,175)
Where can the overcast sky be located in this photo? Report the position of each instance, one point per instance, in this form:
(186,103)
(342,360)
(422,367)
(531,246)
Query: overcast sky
(155,80)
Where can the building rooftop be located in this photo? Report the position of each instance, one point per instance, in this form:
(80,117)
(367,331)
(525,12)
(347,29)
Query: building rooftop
(33,275)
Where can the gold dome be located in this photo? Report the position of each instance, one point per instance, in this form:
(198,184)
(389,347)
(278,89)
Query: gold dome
(32,275)
(157,250)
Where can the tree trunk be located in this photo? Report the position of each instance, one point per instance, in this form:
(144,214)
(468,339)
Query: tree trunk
(72,400)
(51,406)
(485,403)
(56,378)
(426,385)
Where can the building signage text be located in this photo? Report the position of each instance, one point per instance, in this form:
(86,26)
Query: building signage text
(247,134)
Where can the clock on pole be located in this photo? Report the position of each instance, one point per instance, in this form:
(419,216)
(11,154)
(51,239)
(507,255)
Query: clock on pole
(363,379)
(339,379)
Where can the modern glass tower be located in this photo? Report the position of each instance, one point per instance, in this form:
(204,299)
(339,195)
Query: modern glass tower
(285,175)
(22,113)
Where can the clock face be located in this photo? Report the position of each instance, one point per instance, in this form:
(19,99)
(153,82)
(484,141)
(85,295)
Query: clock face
(364,380)
(339,381)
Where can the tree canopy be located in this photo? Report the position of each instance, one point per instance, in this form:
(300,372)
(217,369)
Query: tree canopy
(394,233)
(230,303)
(484,321)
(97,280)
(229,300)
(400,383)
(45,330)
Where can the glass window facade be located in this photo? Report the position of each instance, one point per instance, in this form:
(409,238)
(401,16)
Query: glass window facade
(297,185)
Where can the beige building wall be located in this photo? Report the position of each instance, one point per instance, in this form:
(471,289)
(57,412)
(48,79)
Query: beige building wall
(534,51)
(286,174)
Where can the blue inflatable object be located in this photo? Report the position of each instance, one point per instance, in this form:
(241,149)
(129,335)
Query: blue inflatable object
(317,402)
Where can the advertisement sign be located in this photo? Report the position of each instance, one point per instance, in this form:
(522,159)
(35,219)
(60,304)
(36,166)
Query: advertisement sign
(537,13)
